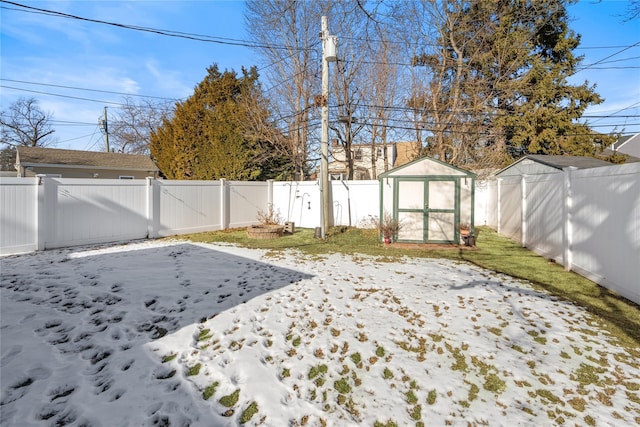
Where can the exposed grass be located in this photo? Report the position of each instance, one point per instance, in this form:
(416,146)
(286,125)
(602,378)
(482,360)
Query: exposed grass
(494,252)
(230,399)
(249,412)
(210,390)
(194,370)
(169,357)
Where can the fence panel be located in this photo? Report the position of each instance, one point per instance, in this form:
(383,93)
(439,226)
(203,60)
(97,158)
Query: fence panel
(181,207)
(510,208)
(605,220)
(244,202)
(298,202)
(544,214)
(355,201)
(85,211)
(18,215)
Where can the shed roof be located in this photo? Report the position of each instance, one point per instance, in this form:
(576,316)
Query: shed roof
(411,168)
(39,156)
(561,162)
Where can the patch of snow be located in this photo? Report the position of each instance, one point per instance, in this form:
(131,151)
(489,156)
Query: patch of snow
(133,335)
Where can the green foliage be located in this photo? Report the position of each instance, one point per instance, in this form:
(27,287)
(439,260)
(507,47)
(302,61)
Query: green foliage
(8,158)
(507,80)
(207,136)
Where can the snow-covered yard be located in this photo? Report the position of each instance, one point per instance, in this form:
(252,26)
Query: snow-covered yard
(176,333)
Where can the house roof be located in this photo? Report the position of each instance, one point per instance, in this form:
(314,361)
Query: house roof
(560,162)
(625,139)
(38,156)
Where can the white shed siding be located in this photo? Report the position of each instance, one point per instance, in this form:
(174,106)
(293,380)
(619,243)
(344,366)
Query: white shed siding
(510,208)
(544,210)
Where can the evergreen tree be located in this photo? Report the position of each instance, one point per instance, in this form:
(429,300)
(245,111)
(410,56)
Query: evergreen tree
(207,136)
(499,83)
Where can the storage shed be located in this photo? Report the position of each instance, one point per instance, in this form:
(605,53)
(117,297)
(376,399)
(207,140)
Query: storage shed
(535,164)
(430,199)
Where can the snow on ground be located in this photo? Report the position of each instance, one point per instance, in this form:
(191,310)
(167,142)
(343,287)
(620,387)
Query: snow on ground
(183,334)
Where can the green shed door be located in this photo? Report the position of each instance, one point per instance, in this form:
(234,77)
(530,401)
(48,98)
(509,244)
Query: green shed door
(428,209)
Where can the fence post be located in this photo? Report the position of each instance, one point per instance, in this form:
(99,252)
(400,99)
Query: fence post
(499,189)
(269,193)
(151,214)
(567,238)
(41,213)
(223,205)
(523,210)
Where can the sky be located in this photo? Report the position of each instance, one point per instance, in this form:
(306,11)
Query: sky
(74,68)
(171,332)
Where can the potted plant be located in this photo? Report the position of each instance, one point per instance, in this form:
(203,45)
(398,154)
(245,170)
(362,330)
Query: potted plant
(270,226)
(388,227)
(464,228)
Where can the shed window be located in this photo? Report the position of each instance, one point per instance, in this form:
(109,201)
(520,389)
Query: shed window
(358,154)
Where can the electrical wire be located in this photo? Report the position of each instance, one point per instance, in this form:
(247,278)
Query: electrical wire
(169,33)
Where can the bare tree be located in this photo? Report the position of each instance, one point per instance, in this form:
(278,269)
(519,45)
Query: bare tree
(633,10)
(381,93)
(131,128)
(25,124)
(287,34)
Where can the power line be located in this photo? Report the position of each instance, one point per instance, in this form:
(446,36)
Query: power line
(64,96)
(89,90)
(169,33)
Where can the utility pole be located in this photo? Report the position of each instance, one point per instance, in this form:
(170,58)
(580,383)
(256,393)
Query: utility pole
(105,128)
(328,55)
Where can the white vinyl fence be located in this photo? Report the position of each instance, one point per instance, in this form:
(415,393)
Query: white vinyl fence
(352,202)
(587,220)
(45,213)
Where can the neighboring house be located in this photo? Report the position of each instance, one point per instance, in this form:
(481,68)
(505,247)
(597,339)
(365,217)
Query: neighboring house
(533,164)
(398,154)
(33,161)
(628,146)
